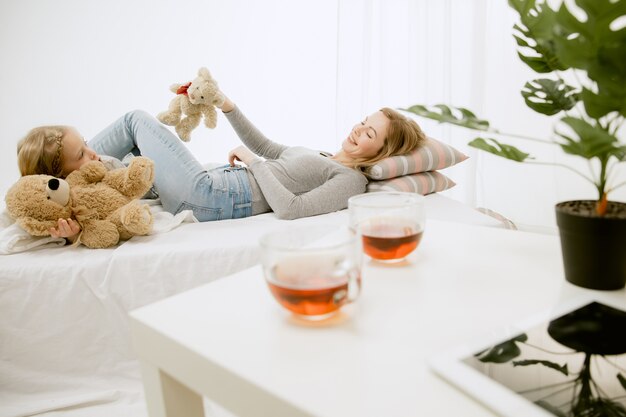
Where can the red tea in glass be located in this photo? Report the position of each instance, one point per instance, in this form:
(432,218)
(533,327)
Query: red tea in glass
(317,302)
(389,241)
(390,223)
(312,271)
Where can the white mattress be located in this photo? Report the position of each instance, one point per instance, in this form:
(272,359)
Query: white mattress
(64,339)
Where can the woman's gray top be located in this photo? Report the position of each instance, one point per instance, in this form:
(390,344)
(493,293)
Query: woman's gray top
(295,181)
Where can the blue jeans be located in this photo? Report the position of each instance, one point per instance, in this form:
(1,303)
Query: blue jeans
(181,181)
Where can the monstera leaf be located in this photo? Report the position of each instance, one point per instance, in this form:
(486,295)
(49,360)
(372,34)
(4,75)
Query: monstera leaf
(593,45)
(500,149)
(552,40)
(445,114)
(600,104)
(535,34)
(591,141)
(549,97)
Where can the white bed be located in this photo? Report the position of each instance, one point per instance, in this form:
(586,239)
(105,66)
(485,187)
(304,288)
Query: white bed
(64,339)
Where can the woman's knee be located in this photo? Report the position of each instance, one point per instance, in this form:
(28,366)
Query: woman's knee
(140,115)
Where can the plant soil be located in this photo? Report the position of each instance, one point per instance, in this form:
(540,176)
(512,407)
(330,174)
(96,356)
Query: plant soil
(587,208)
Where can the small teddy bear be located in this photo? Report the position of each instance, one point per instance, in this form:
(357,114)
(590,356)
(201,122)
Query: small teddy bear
(104,203)
(195,99)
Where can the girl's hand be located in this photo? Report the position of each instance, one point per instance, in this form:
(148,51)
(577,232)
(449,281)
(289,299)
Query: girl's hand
(68,229)
(243,154)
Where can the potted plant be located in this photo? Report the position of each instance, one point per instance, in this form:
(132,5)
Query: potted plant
(590,50)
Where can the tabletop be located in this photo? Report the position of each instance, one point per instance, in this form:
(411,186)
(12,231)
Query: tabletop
(231,341)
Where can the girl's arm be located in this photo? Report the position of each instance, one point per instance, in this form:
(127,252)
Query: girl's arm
(68,229)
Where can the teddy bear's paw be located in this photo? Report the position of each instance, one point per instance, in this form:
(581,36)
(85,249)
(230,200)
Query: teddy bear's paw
(218,99)
(89,173)
(183,133)
(175,87)
(137,218)
(169,118)
(99,234)
(141,170)
(210,120)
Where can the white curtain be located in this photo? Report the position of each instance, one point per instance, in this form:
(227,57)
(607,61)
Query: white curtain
(402,52)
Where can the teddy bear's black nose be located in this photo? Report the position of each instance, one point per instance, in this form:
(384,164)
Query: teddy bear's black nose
(53,184)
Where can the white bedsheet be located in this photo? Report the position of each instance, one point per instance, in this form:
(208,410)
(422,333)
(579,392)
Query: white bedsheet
(14,239)
(64,338)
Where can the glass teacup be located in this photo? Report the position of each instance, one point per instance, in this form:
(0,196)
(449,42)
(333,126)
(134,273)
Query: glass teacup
(312,271)
(391,224)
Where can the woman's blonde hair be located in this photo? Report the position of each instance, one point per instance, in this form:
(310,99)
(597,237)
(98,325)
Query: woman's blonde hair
(40,151)
(403,136)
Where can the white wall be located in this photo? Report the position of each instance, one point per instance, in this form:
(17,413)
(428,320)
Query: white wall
(85,63)
(304,71)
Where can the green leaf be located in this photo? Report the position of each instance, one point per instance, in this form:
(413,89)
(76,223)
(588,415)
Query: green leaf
(538,64)
(445,110)
(591,141)
(622,380)
(500,149)
(561,368)
(521,42)
(579,42)
(599,105)
(592,46)
(522,6)
(467,113)
(446,114)
(502,352)
(535,35)
(549,97)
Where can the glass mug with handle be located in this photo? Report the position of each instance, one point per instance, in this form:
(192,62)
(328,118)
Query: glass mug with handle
(390,223)
(312,271)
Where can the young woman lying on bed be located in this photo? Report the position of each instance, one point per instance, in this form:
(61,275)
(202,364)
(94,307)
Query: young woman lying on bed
(291,181)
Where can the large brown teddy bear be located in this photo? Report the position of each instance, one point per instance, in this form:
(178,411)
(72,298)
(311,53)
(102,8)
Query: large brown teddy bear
(104,203)
(194,100)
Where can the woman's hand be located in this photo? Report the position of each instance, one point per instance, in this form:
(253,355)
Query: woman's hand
(68,229)
(243,154)
(228,105)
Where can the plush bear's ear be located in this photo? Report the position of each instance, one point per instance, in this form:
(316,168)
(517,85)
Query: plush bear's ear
(204,73)
(36,227)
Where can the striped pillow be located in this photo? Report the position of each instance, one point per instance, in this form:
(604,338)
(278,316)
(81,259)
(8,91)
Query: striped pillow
(432,155)
(422,183)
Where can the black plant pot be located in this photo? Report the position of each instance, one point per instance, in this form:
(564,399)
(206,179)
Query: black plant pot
(594,247)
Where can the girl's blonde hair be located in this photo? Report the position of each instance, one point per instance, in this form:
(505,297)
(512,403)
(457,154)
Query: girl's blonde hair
(40,151)
(403,136)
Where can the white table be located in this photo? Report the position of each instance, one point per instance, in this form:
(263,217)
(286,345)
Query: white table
(231,342)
